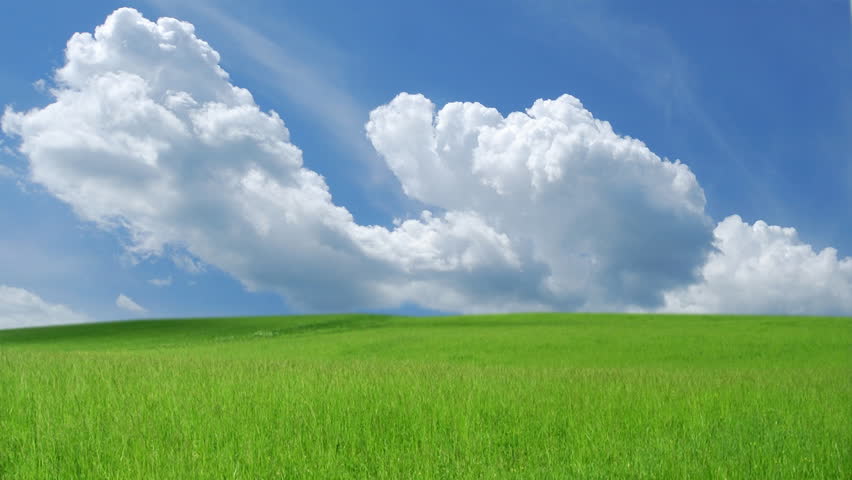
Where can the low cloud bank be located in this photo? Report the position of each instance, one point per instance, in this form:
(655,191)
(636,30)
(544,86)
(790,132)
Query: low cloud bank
(543,209)
(21,308)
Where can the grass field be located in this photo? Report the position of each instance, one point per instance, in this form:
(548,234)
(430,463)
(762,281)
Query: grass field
(359,396)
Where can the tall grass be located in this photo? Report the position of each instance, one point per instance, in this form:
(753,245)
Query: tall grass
(524,396)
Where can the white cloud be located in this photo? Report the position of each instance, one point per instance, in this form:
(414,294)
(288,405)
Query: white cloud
(20,308)
(608,222)
(146,135)
(127,303)
(543,209)
(764,268)
(161,282)
(306,72)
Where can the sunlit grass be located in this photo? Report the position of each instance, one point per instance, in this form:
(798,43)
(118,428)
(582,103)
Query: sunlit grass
(533,396)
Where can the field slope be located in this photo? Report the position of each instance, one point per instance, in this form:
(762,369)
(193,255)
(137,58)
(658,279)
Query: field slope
(366,396)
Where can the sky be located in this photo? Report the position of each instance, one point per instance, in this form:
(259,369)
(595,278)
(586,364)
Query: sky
(173,159)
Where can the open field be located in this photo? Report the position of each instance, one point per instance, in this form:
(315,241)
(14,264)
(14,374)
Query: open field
(511,396)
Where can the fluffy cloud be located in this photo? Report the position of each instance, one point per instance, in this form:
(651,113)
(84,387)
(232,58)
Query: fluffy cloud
(543,209)
(611,224)
(764,268)
(146,135)
(20,308)
(127,303)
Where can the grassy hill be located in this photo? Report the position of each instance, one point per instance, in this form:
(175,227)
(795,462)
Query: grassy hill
(366,396)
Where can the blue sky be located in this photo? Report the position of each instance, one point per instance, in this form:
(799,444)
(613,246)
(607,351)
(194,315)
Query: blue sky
(754,96)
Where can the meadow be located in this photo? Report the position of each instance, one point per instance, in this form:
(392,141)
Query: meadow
(368,396)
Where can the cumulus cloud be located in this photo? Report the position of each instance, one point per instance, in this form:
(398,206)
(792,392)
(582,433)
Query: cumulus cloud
(548,208)
(764,268)
(611,223)
(146,135)
(20,308)
(161,282)
(127,303)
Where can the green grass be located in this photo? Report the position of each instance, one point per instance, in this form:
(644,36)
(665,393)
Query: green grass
(359,396)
